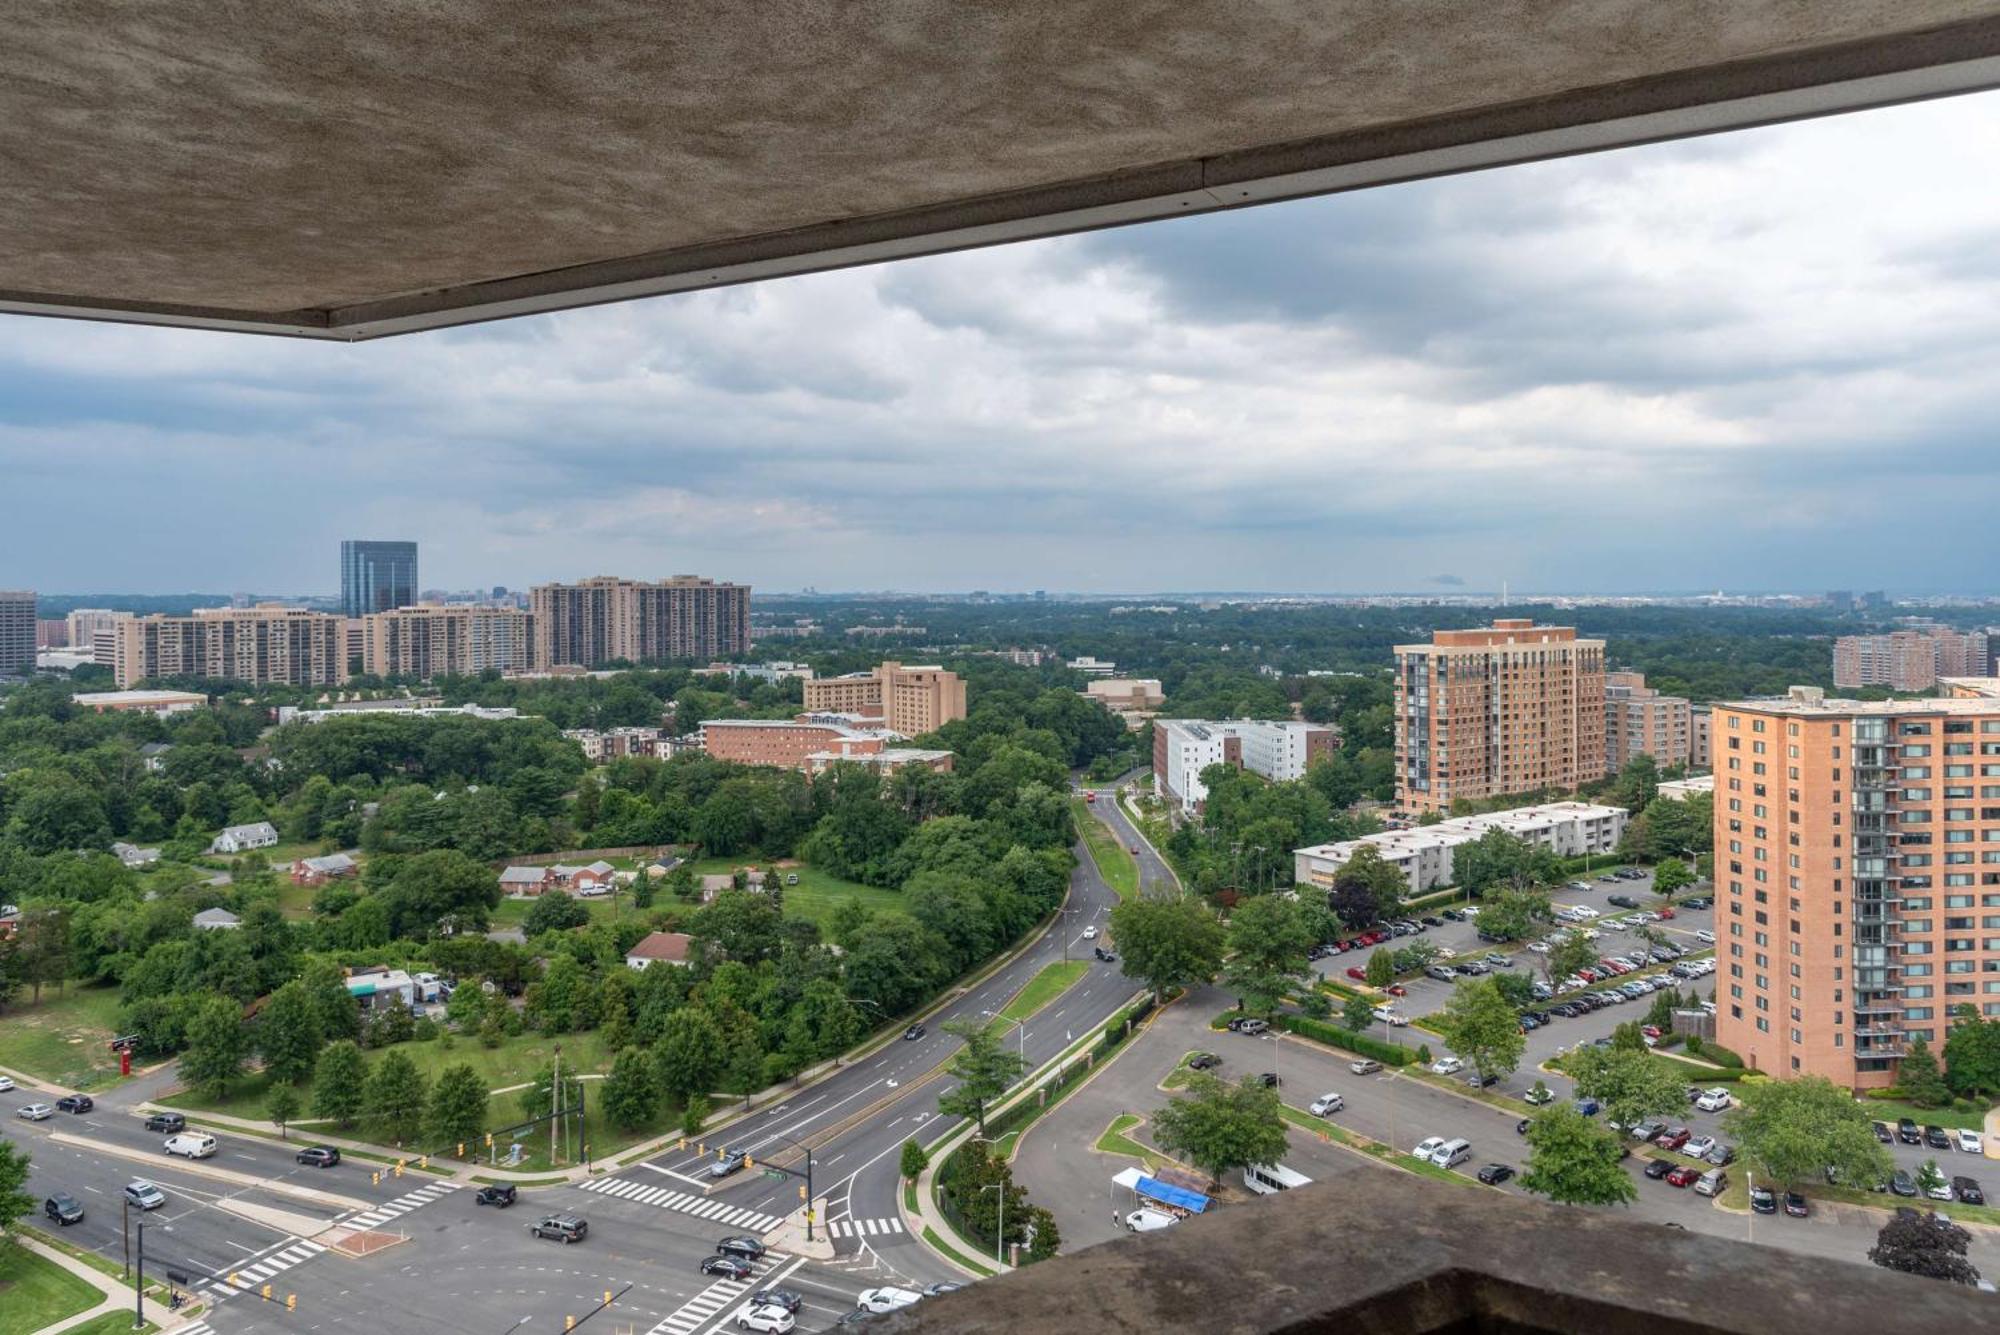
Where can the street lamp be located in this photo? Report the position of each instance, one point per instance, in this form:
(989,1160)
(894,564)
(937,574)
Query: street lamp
(1272,1039)
(1000,1228)
(1020,1028)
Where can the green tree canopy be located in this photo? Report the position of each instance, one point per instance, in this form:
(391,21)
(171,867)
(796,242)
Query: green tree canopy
(632,1091)
(1791,1130)
(338,1082)
(1167,943)
(1218,1126)
(395,1097)
(1482,1028)
(1574,1159)
(1632,1086)
(985,1068)
(1366,889)
(689,1053)
(458,1106)
(288,1033)
(1671,876)
(216,1046)
(1269,938)
(1921,1081)
(15,1201)
(1972,1055)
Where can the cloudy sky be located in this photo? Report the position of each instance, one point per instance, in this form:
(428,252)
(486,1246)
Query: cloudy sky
(1766,360)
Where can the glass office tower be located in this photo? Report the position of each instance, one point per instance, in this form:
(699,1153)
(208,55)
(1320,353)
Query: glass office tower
(377,576)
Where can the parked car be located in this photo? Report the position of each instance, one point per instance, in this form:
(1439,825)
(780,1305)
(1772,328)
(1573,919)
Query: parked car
(1494,1174)
(1673,1138)
(1795,1205)
(1902,1183)
(1478,1081)
(1763,1200)
(1907,1132)
(1428,1146)
(1968,1141)
(1358,975)
(1326,1103)
(1623,901)
(942,1286)
(1201,1061)
(75,1103)
(1883,1133)
(565,1228)
(500,1194)
(6,1083)
(1658,1168)
(1269,1080)
(1713,1100)
(1703,935)
(728,1267)
(318,1156)
(1698,1147)
(1444,973)
(1940,1192)
(1722,1155)
(1447,1066)
(1539,1096)
(63,1208)
(1968,1191)
(1254,1027)
(1390,1016)
(1103,956)
(1452,915)
(1364,1066)
(168,1122)
(143,1195)
(1935,1137)
(1683,1175)
(1589,1107)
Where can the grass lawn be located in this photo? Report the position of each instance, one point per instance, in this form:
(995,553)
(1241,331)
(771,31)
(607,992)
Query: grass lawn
(1114,863)
(35,1292)
(817,894)
(1115,1141)
(511,912)
(1888,1110)
(111,1323)
(1043,988)
(62,1039)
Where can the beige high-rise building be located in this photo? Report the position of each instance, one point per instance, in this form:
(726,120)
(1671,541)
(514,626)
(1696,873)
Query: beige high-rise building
(1857,886)
(87,629)
(1909,660)
(910,700)
(1639,721)
(440,640)
(1509,708)
(606,619)
(259,645)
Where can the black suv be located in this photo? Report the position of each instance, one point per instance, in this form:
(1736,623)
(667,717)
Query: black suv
(496,1193)
(62,1207)
(742,1248)
(1967,1191)
(1935,1137)
(76,1103)
(565,1227)
(1201,1061)
(171,1123)
(318,1156)
(1906,1131)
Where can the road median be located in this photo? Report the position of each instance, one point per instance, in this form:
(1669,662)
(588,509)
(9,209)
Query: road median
(197,1168)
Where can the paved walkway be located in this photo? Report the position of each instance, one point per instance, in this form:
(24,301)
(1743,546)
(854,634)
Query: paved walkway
(117,1296)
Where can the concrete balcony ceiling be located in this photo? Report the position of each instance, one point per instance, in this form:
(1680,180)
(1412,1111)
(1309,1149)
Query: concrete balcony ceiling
(355,168)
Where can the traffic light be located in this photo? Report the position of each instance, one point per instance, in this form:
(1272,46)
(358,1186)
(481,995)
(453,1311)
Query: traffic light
(802,1191)
(399,1168)
(461,1149)
(424,1162)
(375,1178)
(291,1302)
(265,1293)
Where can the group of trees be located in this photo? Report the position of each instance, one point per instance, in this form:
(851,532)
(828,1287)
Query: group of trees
(1971,1067)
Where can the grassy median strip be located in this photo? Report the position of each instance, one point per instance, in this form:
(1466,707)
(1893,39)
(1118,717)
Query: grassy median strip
(957,1256)
(1043,988)
(1114,864)
(1115,1141)
(39,1292)
(111,1323)
(1388,1154)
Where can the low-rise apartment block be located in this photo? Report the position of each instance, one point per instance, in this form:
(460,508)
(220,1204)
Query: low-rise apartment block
(1639,721)
(433,640)
(614,743)
(260,645)
(1424,854)
(1857,849)
(1278,750)
(772,672)
(811,742)
(149,702)
(909,700)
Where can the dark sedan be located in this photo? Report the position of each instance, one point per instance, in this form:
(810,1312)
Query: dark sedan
(1795,1205)
(1495,1173)
(1658,1168)
(1934,1136)
(1883,1133)
(1201,1061)
(728,1267)
(784,1298)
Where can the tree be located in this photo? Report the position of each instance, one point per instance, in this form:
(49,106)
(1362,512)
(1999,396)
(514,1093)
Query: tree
(1482,1028)
(1515,914)
(1921,1081)
(1269,938)
(215,1050)
(1518,988)
(493,1026)
(689,1053)
(1930,1177)
(288,1033)
(1167,943)
(986,1068)
(1218,1126)
(1661,1015)
(914,1160)
(1791,1130)
(1924,1244)
(1358,1013)
(394,1097)
(338,1078)
(1670,875)
(1381,968)
(632,1090)
(1972,1054)
(1567,955)
(1632,1086)
(282,1106)
(458,1105)
(554,912)
(1366,889)
(1573,1159)
(14,1198)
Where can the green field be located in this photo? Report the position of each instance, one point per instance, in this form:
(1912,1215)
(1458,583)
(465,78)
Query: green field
(35,1292)
(62,1039)
(817,894)
(602,908)
(1888,1110)
(1043,988)
(111,1323)
(1114,863)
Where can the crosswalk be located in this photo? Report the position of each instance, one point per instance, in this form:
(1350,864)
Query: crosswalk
(195,1328)
(864,1228)
(713,1299)
(383,1213)
(262,1268)
(701,1207)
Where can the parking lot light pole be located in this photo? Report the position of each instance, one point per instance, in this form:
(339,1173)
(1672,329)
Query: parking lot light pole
(139,1286)
(1000,1228)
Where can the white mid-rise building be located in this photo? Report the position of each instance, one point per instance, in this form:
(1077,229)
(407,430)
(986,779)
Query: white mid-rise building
(1424,854)
(1279,750)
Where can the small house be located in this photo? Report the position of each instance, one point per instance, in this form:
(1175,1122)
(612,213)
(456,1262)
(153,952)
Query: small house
(243,838)
(659,948)
(525,882)
(318,871)
(217,920)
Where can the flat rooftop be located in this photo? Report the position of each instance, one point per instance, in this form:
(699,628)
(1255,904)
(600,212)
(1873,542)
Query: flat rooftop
(355,170)
(1839,706)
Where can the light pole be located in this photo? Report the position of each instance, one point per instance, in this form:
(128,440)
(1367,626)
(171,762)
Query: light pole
(1000,1228)
(139,1284)
(1020,1028)
(1272,1038)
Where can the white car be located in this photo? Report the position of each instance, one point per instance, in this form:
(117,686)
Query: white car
(1390,1016)
(887,1299)
(1147,1221)
(1539,947)
(6,1083)
(769,1317)
(1326,1103)
(1968,1141)
(1714,1100)
(36,1112)
(1090,933)
(1428,1146)
(1699,1147)
(1447,1066)
(1705,936)
(1583,911)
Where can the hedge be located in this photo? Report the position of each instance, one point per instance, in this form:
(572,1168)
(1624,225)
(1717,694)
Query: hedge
(1390,1054)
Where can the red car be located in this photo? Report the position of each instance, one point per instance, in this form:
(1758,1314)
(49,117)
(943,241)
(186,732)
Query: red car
(1683,1176)
(1358,975)
(1667,912)
(1673,1139)
(1650,1030)
(1589,975)
(1397,990)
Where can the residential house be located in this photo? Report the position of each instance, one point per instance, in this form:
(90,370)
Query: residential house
(135,857)
(243,838)
(526,882)
(375,984)
(659,948)
(595,879)
(212,920)
(318,871)
(153,755)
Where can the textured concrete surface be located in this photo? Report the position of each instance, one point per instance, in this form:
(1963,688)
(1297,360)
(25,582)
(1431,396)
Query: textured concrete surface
(364,162)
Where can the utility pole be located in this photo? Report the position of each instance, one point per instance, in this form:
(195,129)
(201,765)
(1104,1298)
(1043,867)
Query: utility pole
(139,1287)
(555,1104)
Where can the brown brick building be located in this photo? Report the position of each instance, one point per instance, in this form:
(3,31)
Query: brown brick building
(909,700)
(1509,708)
(1639,721)
(1857,850)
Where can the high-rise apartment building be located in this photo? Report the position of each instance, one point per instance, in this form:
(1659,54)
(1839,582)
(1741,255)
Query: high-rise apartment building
(1278,750)
(376,576)
(447,640)
(17,632)
(604,619)
(261,644)
(1509,708)
(1909,660)
(1858,885)
(1700,730)
(1639,721)
(909,700)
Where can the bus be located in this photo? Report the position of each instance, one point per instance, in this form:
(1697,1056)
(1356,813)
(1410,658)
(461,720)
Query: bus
(1268,1179)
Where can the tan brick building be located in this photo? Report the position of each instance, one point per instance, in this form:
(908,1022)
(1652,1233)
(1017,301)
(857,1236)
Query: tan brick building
(909,700)
(260,645)
(1639,721)
(1509,708)
(1857,850)
(811,744)
(438,640)
(606,619)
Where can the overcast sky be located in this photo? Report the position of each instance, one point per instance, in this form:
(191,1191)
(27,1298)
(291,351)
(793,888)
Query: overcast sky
(1766,360)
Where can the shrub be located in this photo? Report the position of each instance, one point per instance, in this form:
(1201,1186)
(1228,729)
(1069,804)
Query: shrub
(1389,1054)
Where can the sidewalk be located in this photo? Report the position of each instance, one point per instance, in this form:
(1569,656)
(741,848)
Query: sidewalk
(117,1297)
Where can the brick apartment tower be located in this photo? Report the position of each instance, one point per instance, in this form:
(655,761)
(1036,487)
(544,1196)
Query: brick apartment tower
(1639,721)
(1508,708)
(606,619)
(1857,850)
(910,700)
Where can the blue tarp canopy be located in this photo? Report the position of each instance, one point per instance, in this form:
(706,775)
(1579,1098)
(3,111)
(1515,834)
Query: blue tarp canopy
(1179,1197)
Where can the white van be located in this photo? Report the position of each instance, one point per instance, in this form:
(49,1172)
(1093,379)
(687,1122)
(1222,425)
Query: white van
(1452,1153)
(191,1144)
(1145,1221)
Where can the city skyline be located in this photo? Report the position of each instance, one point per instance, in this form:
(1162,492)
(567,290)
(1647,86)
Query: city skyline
(1681,366)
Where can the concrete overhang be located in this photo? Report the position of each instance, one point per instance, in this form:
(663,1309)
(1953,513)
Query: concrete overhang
(354,168)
